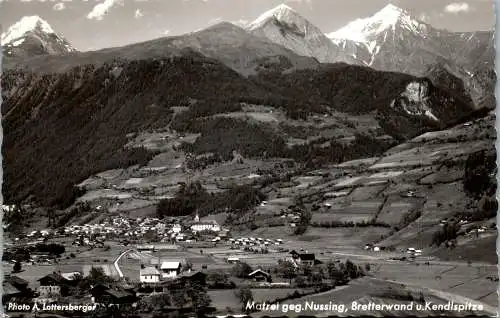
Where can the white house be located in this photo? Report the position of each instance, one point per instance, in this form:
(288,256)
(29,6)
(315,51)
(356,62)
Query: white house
(176,228)
(170,269)
(150,275)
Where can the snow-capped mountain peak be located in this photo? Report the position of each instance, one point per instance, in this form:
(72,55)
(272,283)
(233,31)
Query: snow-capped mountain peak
(32,36)
(280,13)
(367,29)
(26,24)
(286,27)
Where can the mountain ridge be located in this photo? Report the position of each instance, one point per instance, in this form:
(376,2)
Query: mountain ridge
(286,27)
(394,40)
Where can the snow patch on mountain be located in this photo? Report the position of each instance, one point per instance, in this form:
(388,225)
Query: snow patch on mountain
(17,42)
(33,36)
(25,25)
(281,13)
(367,30)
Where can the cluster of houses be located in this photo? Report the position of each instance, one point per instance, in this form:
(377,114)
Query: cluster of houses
(374,248)
(252,241)
(140,229)
(56,285)
(159,272)
(188,231)
(292,218)
(159,275)
(410,250)
(468,228)
(413,252)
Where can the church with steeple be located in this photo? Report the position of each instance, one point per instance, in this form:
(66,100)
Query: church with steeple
(208,225)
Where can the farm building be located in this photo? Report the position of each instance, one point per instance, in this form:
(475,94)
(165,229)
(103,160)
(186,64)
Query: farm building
(105,268)
(307,259)
(170,269)
(53,285)
(71,275)
(303,258)
(193,276)
(9,292)
(149,275)
(259,275)
(105,295)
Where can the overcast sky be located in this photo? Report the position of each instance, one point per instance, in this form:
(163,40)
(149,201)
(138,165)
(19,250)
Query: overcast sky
(94,24)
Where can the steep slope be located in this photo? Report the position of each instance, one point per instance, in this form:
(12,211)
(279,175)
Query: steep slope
(230,44)
(33,36)
(404,104)
(397,41)
(284,26)
(439,177)
(77,121)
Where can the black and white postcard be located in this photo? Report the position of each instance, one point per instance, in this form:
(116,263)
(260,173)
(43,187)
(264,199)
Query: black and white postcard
(248,158)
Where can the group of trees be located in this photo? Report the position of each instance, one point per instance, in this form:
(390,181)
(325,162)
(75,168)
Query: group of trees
(179,300)
(22,254)
(244,295)
(241,270)
(305,217)
(480,176)
(219,280)
(193,197)
(16,219)
(480,184)
(329,274)
(51,248)
(317,154)
(408,218)
(223,135)
(334,224)
(87,134)
(448,232)
(83,285)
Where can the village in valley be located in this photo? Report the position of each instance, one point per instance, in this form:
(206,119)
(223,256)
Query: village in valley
(122,261)
(377,230)
(345,232)
(254,167)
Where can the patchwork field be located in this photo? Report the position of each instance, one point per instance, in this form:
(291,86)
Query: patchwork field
(458,279)
(350,211)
